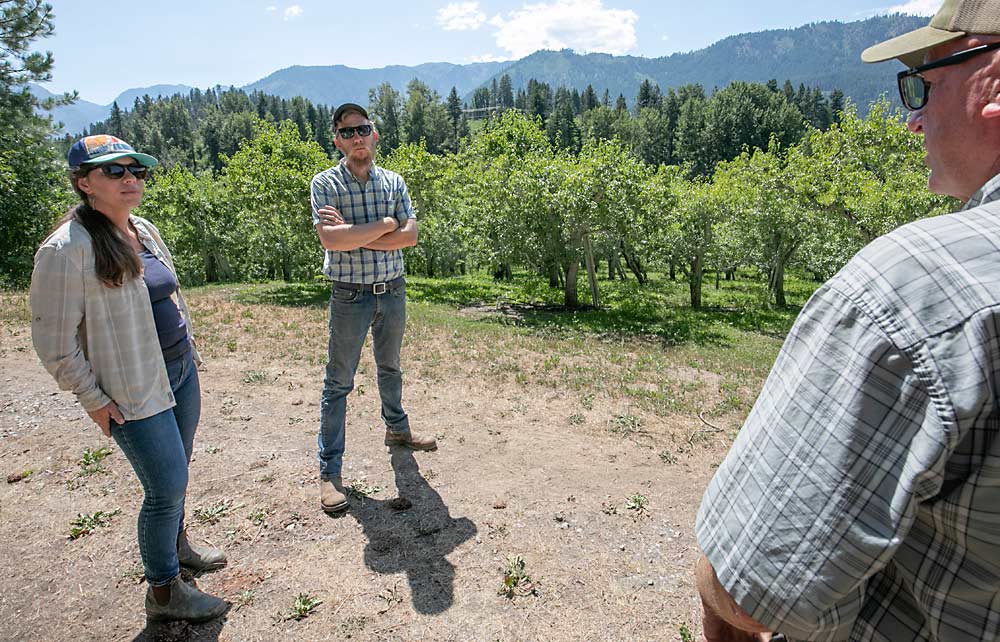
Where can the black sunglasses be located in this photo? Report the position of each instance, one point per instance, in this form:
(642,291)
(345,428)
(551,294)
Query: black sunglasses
(913,89)
(117,172)
(348,132)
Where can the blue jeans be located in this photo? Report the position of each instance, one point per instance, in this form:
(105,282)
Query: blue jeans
(352,313)
(159,449)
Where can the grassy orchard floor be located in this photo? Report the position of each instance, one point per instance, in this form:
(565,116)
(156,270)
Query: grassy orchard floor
(570,439)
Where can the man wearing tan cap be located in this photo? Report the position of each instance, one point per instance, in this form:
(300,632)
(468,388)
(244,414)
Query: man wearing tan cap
(861,498)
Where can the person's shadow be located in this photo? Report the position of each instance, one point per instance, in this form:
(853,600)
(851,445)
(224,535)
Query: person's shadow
(413,532)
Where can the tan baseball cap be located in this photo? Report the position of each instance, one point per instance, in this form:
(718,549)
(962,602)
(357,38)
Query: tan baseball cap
(955,19)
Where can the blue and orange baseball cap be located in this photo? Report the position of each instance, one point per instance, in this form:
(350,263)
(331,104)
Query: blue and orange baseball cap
(103,148)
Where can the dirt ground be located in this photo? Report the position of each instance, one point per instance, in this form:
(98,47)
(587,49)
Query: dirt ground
(512,476)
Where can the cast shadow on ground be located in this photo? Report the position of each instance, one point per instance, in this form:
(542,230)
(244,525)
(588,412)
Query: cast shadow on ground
(413,533)
(182,631)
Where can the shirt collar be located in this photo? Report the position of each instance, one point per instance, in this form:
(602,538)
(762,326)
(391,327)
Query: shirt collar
(986,194)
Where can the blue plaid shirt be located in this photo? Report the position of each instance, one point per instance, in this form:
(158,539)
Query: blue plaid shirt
(384,194)
(861,499)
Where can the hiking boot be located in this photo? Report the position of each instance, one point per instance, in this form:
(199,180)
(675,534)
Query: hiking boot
(186,603)
(332,497)
(198,558)
(408,439)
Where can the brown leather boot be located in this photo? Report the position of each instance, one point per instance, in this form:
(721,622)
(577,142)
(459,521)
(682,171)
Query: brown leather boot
(198,558)
(408,439)
(332,497)
(186,603)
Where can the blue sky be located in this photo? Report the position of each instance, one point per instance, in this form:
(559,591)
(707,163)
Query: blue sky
(103,48)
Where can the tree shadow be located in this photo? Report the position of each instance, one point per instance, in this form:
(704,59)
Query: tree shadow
(413,532)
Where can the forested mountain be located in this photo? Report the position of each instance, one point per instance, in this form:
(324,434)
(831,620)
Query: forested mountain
(824,55)
(338,84)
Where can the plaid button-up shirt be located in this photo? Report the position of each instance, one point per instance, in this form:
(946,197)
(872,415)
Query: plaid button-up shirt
(100,342)
(861,498)
(383,194)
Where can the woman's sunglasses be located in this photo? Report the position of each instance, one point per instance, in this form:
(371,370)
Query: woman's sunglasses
(347,133)
(116,172)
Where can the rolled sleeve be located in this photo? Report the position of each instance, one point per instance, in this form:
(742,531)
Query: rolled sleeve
(57,312)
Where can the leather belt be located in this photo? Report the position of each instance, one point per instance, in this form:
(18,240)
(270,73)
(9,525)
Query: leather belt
(375,288)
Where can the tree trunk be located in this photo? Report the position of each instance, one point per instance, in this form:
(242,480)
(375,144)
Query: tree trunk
(633,264)
(694,279)
(588,256)
(673,271)
(776,281)
(570,299)
(612,259)
(554,280)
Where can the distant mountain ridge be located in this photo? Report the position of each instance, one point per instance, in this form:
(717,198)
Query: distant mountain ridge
(823,54)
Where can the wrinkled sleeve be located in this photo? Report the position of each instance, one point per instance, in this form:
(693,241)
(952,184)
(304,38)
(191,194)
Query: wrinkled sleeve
(404,206)
(57,311)
(319,196)
(823,481)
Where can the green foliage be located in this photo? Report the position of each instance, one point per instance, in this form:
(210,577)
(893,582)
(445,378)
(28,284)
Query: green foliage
(33,190)
(92,461)
(85,524)
(516,581)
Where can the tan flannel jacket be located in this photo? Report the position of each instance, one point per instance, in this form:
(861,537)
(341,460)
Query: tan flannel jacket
(100,342)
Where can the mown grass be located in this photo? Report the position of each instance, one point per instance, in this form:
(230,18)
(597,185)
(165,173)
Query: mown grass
(645,345)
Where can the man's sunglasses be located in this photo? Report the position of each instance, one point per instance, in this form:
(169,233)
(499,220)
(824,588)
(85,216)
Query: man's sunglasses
(348,132)
(117,172)
(913,89)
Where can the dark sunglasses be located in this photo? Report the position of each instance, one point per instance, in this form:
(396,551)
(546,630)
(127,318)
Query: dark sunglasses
(913,89)
(348,132)
(117,172)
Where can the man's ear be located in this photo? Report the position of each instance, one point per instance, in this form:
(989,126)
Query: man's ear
(992,108)
(84,185)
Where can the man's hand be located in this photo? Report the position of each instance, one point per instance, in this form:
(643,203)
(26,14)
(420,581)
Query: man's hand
(328,215)
(715,629)
(104,416)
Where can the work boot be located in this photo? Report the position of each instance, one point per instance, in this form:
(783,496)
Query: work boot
(332,497)
(198,558)
(408,439)
(186,603)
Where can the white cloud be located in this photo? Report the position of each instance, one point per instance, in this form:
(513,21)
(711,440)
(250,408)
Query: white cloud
(293,12)
(582,25)
(461,16)
(915,7)
(489,58)
(271,9)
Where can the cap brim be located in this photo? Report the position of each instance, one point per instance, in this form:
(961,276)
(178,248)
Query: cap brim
(144,159)
(910,48)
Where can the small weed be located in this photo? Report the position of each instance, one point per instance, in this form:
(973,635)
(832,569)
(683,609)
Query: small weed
(686,635)
(668,457)
(361,489)
(254,376)
(587,401)
(245,598)
(213,450)
(516,581)
(87,524)
(360,389)
(213,513)
(637,503)
(231,345)
(626,425)
(258,517)
(391,597)
(303,606)
(429,474)
(608,508)
(576,419)
(91,462)
(266,479)
(13,478)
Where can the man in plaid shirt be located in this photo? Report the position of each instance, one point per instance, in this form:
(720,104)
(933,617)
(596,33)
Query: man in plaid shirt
(364,218)
(861,498)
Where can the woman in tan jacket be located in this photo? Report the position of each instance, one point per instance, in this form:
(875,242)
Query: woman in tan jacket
(109,323)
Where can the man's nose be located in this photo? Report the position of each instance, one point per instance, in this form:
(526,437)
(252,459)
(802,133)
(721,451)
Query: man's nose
(915,123)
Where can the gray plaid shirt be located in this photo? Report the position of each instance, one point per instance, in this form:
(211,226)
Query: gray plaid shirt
(383,194)
(861,498)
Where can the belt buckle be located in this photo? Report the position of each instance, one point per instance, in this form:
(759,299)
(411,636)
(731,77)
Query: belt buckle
(378,288)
